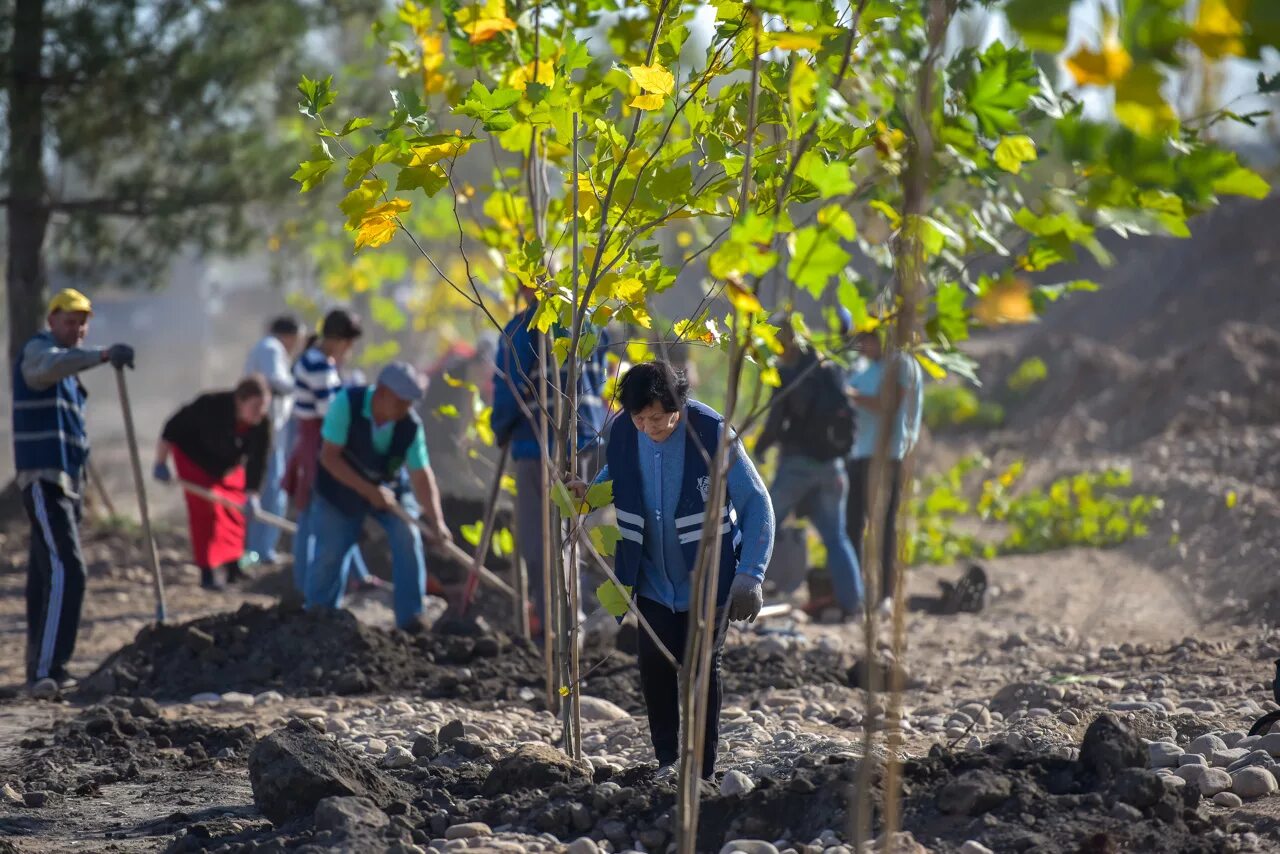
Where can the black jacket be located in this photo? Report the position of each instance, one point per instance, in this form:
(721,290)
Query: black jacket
(205,430)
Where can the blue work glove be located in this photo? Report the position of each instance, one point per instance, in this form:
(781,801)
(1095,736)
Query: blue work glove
(161,472)
(120,356)
(745,598)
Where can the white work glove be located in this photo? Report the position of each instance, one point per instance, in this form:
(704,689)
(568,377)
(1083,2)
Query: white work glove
(745,598)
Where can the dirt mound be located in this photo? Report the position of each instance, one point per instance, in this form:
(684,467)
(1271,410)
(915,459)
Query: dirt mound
(304,653)
(122,740)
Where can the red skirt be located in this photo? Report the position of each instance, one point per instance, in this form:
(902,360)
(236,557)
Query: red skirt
(217,532)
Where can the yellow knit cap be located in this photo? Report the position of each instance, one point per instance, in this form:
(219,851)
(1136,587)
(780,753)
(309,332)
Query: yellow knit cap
(70,299)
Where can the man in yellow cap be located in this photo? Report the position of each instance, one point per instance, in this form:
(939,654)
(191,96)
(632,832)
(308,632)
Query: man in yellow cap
(50,450)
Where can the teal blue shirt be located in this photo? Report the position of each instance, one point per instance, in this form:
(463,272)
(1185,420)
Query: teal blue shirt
(337,426)
(906,421)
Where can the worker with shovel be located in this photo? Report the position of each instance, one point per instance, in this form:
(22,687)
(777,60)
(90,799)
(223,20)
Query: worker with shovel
(50,452)
(219,442)
(373,461)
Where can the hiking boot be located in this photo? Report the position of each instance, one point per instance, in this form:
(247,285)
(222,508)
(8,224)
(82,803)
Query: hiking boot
(213,579)
(44,689)
(417,626)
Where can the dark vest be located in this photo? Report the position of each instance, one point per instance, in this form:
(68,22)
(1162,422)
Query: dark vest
(382,469)
(623,454)
(48,425)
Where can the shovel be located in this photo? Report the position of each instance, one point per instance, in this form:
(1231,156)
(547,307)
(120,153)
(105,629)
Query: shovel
(141,488)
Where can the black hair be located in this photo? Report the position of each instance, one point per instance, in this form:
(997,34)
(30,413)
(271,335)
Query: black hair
(342,325)
(285,324)
(650,382)
(252,386)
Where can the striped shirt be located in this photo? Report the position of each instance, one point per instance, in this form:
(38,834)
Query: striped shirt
(315,379)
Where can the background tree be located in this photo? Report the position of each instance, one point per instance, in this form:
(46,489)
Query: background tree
(137,128)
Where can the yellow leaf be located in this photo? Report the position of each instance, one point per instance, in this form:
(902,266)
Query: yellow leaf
(794,41)
(1232,499)
(931,367)
(1139,104)
(483,21)
(1219,27)
(1091,68)
(526,74)
(654,78)
(742,299)
(684,239)
(1005,301)
(638,351)
(1013,151)
(564,690)
(425,155)
(378,225)
(769,376)
(508,484)
(648,102)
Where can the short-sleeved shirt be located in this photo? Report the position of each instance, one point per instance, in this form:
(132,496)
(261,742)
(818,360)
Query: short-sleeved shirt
(906,421)
(316,380)
(337,427)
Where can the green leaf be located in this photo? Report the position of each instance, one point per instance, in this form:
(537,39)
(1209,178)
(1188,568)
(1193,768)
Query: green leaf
(429,178)
(316,95)
(359,200)
(1242,182)
(614,598)
(830,179)
(1041,23)
(312,172)
(503,543)
(387,314)
(600,495)
(1013,151)
(605,538)
(1002,88)
(355,124)
(950,321)
(816,256)
(563,499)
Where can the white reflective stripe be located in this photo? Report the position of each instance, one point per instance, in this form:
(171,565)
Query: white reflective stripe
(733,515)
(629,518)
(57,581)
(628,534)
(695,535)
(39,435)
(737,539)
(691,519)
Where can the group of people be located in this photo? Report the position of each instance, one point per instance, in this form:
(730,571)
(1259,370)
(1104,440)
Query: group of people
(342,454)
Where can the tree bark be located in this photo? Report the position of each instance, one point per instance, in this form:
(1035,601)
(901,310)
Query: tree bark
(28,215)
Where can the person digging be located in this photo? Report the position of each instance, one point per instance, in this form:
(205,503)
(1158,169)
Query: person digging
(655,457)
(373,462)
(50,453)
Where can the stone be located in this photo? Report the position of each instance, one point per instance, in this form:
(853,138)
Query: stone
(736,783)
(974,847)
(144,707)
(397,757)
(1124,812)
(974,793)
(1270,743)
(266,698)
(1212,781)
(583,845)
(1191,773)
(206,698)
(451,732)
(1257,757)
(749,846)
(1163,754)
(469,830)
(1226,758)
(1192,759)
(597,710)
(375,746)
(535,765)
(1137,787)
(426,745)
(1109,746)
(1206,744)
(10,795)
(292,769)
(1253,782)
(308,713)
(237,700)
(35,799)
(1228,800)
(348,815)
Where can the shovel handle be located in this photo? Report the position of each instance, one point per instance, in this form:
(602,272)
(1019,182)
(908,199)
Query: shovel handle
(141,488)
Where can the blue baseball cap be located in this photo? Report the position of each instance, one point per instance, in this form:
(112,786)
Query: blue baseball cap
(403,381)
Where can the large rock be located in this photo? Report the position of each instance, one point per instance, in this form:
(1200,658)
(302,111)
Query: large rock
(597,710)
(350,815)
(534,765)
(1137,787)
(1253,782)
(1109,747)
(1214,780)
(1206,744)
(1163,754)
(974,793)
(294,768)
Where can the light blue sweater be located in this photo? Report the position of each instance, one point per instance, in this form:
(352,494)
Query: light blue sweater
(664,577)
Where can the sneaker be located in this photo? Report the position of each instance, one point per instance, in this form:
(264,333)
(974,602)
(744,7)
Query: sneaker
(886,607)
(65,680)
(365,585)
(44,689)
(665,772)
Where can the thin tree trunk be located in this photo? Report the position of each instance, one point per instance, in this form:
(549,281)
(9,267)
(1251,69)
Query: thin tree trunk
(28,216)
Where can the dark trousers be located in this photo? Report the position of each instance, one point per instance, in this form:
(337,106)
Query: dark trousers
(55,579)
(660,682)
(859,507)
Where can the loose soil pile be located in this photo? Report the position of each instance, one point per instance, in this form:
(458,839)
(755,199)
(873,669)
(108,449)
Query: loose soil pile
(1011,801)
(307,653)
